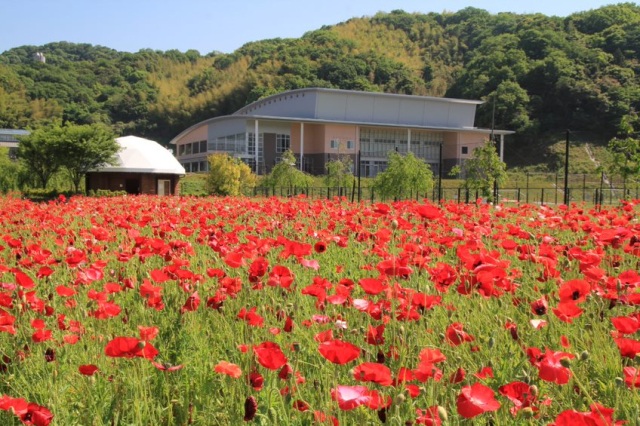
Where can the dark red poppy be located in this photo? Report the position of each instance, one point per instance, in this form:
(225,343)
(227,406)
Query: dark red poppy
(475,400)
(540,306)
(339,352)
(320,247)
(250,408)
(88,370)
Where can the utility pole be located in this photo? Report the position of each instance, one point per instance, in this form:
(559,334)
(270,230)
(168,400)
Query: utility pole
(566,169)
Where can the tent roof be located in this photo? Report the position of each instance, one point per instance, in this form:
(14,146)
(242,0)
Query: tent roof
(139,155)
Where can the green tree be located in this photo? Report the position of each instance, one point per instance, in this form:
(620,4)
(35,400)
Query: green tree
(39,152)
(228,175)
(404,177)
(625,158)
(85,148)
(483,171)
(339,172)
(286,175)
(9,171)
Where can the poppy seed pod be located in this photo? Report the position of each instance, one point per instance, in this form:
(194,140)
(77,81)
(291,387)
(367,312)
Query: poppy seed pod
(442,412)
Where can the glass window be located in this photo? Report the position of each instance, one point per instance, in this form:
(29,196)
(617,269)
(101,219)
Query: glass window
(180,150)
(283,143)
(350,145)
(203,146)
(335,143)
(187,149)
(196,148)
(465,150)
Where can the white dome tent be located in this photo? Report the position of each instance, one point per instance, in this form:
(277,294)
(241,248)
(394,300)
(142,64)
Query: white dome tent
(143,167)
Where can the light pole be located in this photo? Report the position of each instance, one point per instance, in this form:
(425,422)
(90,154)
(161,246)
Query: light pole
(566,169)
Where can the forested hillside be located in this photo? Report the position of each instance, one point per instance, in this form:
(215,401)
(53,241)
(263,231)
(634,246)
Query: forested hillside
(546,74)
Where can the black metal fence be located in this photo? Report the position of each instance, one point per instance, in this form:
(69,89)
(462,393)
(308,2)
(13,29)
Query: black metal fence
(529,195)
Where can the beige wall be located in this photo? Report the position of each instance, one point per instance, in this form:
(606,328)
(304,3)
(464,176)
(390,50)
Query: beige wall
(453,143)
(317,138)
(314,135)
(197,134)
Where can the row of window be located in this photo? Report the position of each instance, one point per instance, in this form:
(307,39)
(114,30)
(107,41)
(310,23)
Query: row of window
(337,144)
(192,148)
(195,166)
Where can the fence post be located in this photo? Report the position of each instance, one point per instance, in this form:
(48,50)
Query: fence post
(527,187)
(542,196)
(556,191)
(518,195)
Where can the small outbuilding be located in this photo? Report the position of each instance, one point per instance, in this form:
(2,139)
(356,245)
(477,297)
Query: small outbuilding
(143,167)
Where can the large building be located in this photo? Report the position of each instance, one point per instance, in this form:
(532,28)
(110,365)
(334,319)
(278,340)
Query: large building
(9,139)
(320,124)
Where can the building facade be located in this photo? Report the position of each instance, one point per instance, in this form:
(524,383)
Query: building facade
(9,139)
(319,125)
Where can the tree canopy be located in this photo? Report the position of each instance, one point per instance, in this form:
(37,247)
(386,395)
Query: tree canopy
(76,149)
(405,176)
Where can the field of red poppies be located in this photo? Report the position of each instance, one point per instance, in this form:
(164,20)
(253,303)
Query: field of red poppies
(205,311)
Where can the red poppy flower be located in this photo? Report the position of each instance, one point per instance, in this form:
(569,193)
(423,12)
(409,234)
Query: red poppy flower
(234,260)
(520,394)
(192,303)
(224,367)
(374,335)
(631,377)
(567,311)
(574,291)
(455,334)
(429,212)
(148,333)
(457,376)
(372,286)
(599,415)
(269,355)
(551,369)
(629,348)
(626,325)
(373,372)
(475,400)
(256,380)
(339,352)
(320,247)
(130,347)
(540,306)
(428,417)
(88,370)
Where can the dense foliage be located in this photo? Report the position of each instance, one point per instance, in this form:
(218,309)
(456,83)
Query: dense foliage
(228,175)
(546,73)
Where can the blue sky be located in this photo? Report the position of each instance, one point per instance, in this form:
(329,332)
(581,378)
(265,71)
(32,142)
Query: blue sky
(214,25)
